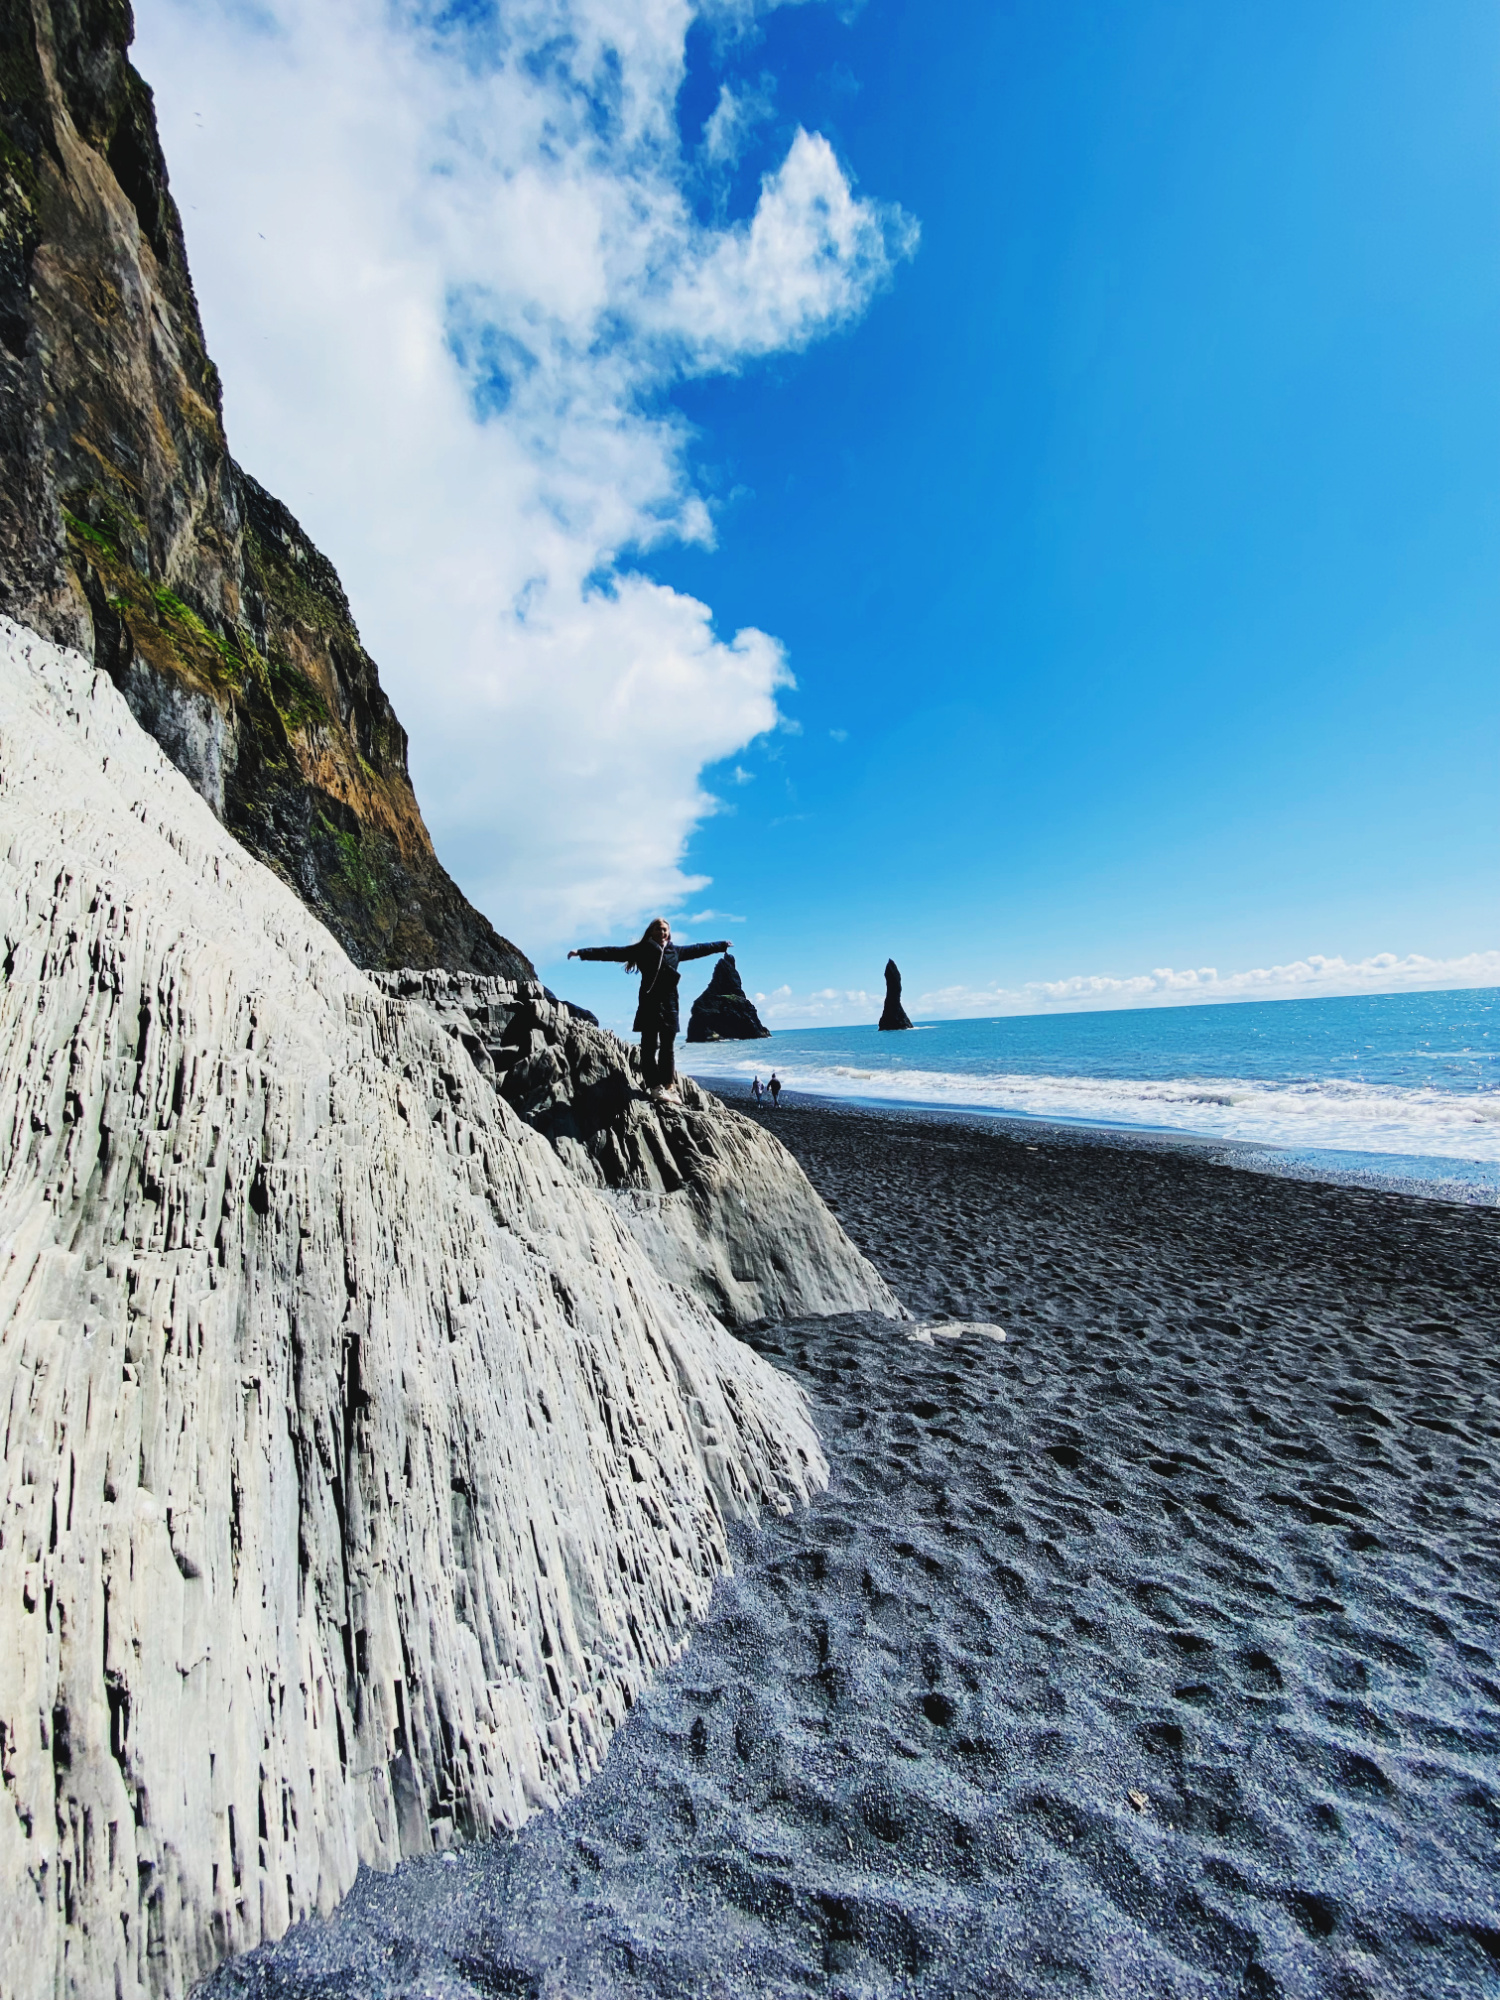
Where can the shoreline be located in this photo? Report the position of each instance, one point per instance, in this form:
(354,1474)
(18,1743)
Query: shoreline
(1319,1167)
(1151,1650)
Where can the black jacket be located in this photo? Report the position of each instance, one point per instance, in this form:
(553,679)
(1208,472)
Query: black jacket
(659,976)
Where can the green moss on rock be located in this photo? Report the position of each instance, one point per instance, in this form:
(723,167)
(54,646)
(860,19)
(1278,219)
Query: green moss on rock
(298,702)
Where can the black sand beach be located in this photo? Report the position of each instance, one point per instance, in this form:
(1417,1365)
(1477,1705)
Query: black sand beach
(1153,1652)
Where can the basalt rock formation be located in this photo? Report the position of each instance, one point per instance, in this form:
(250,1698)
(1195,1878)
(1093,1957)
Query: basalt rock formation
(893,1014)
(127,530)
(364,1449)
(724,1011)
(721,1208)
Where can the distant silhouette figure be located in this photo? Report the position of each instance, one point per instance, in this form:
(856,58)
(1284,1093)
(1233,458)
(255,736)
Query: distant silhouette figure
(656,959)
(895,1015)
(755,1090)
(774,1086)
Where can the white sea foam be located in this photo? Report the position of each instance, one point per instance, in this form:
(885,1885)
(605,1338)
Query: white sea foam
(1330,1114)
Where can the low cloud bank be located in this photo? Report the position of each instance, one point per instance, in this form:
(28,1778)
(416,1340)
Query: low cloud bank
(830,1006)
(1315,977)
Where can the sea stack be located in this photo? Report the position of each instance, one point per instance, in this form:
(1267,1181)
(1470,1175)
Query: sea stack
(893,1015)
(373,1427)
(724,1011)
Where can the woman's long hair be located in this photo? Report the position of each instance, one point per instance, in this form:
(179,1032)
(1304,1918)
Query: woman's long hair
(636,962)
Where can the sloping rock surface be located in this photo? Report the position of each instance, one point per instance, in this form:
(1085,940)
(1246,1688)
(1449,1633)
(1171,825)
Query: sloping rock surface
(724,1011)
(357,1465)
(720,1206)
(893,1014)
(127,530)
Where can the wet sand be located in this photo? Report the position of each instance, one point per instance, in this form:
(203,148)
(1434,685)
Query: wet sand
(1153,1652)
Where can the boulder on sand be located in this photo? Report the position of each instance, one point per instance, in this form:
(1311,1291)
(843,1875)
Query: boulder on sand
(894,1015)
(724,1011)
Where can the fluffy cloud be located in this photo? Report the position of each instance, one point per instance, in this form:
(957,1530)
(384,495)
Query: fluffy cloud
(449,265)
(1304,978)
(733,119)
(809,258)
(830,1006)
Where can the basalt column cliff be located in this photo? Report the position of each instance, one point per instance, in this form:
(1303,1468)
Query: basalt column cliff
(371,1421)
(358,1461)
(127,530)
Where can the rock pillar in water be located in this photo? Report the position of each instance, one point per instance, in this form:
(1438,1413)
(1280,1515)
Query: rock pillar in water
(894,1015)
(724,1011)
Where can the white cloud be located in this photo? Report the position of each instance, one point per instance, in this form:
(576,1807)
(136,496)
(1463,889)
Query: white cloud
(733,119)
(839,735)
(1305,978)
(448,271)
(829,1006)
(809,258)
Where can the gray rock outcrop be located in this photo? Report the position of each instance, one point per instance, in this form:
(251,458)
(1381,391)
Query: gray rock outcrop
(724,1011)
(720,1206)
(893,1014)
(364,1449)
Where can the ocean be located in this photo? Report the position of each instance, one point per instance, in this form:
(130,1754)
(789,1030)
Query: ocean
(1398,1089)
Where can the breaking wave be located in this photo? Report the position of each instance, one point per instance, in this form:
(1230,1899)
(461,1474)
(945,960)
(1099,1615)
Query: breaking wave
(1327,1114)
(1402,1087)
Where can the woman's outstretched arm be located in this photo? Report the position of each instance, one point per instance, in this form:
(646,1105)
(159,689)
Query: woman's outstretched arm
(616,954)
(702,950)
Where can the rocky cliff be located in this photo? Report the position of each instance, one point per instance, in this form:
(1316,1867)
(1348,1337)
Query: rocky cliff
(127,530)
(720,1207)
(363,1449)
(724,1011)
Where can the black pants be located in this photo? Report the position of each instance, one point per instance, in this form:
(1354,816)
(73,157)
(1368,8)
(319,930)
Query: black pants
(657,1065)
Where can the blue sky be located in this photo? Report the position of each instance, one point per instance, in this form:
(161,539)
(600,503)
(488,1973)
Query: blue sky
(1144,537)
(1132,537)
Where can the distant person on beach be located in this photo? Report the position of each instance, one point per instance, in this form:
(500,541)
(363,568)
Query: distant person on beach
(774,1086)
(755,1089)
(656,959)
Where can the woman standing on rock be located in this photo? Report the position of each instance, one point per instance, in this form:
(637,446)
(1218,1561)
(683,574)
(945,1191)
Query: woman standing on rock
(656,959)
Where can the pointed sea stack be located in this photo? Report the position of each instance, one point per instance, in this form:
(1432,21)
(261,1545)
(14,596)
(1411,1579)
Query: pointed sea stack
(894,1014)
(723,1011)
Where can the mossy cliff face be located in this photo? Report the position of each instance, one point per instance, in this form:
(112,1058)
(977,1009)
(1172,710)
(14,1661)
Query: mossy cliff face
(127,530)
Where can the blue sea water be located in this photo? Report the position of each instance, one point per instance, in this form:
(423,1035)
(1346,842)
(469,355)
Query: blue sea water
(1400,1088)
